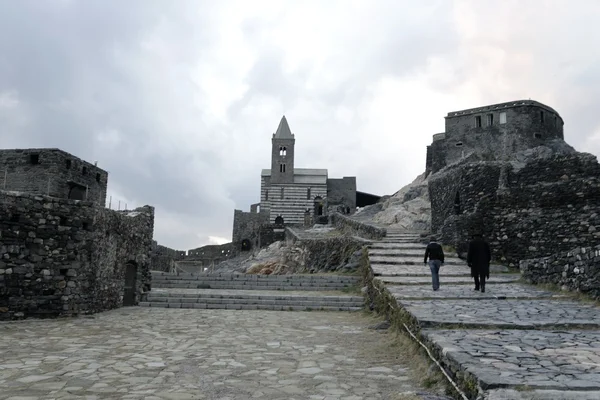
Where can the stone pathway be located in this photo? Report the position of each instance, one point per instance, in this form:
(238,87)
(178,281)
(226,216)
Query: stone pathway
(158,354)
(534,344)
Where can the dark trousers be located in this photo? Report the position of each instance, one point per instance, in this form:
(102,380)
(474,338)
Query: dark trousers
(479,281)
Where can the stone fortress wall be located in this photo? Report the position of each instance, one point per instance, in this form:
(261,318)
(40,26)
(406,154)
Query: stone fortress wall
(493,132)
(163,257)
(532,203)
(67,257)
(52,172)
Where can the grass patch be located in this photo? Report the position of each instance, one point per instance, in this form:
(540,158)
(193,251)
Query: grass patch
(352,289)
(448,249)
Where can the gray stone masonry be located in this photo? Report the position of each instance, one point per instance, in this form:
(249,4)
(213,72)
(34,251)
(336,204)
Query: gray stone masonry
(52,172)
(67,257)
(163,258)
(362,229)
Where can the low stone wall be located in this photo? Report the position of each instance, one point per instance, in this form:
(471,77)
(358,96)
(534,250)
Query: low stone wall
(66,257)
(360,228)
(341,253)
(575,270)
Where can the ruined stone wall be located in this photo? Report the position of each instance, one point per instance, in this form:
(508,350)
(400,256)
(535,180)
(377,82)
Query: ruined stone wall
(213,253)
(52,172)
(576,270)
(65,257)
(533,216)
(341,194)
(163,257)
(269,234)
(246,226)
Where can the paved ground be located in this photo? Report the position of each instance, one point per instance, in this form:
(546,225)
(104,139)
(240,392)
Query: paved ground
(498,291)
(141,353)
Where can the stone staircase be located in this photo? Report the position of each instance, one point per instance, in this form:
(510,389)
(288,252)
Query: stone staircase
(515,341)
(254,292)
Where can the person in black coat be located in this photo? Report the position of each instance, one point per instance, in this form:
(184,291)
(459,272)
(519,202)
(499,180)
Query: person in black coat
(435,254)
(478,258)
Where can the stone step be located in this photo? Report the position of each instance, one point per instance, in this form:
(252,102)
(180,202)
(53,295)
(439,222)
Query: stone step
(400,252)
(411,260)
(244,294)
(454,280)
(242,306)
(397,246)
(314,302)
(223,285)
(255,278)
(418,270)
(256,282)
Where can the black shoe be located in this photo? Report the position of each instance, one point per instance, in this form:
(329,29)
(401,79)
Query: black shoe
(482,290)
(476,288)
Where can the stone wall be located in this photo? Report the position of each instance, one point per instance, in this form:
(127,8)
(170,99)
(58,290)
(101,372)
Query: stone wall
(163,257)
(52,172)
(246,226)
(269,234)
(213,253)
(65,257)
(546,205)
(341,194)
(575,270)
(359,228)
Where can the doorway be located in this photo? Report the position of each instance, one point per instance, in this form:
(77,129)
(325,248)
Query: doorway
(130,284)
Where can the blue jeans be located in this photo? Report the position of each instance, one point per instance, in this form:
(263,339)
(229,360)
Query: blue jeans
(435,265)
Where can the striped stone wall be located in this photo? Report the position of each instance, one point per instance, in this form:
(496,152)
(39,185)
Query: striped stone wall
(294,203)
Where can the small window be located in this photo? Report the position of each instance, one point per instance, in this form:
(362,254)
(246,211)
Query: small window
(98,177)
(537,135)
(502,118)
(458,144)
(34,158)
(542,116)
(15,217)
(478,121)
(490,119)
(281,167)
(63,221)
(266,195)
(555,121)
(68,164)
(308,194)
(282,193)
(84,171)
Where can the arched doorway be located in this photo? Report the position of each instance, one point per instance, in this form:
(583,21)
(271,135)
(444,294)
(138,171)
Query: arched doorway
(77,193)
(130,284)
(279,220)
(246,245)
(318,203)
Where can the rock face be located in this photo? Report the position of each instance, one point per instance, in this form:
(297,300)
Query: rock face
(409,208)
(66,257)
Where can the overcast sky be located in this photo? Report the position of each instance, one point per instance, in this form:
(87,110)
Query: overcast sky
(178,99)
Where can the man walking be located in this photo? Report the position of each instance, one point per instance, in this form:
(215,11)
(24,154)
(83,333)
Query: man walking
(478,258)
(435,253)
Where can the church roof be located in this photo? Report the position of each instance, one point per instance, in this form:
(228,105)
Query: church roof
(283,131)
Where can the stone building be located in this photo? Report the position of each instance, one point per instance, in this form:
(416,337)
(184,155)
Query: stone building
(493,132)
(531,198)
(61,255)
(292,196)
(52,172)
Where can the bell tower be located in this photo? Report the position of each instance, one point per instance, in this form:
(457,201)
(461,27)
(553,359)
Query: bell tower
(282,154)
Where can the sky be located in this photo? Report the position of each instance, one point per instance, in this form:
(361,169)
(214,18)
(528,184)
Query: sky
(178,100)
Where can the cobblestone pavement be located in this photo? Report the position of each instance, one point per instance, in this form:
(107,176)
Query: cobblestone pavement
(411,270)
(141,353)
(499,291)
(444,279)
(504,313)
(549,360)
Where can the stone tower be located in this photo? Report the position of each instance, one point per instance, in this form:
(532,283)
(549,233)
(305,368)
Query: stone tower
(282,154)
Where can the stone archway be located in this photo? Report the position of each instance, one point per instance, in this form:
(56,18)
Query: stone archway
(246,245)
(279,220)
(77,193)
(318,204)
(130,289)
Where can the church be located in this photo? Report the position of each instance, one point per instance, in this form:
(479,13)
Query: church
(294,196)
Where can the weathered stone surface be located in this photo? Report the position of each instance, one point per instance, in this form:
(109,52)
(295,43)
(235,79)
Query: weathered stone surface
(363,229)
(454,280)
(418,270)
(498,291)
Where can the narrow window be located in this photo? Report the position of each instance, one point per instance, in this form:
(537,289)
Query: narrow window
(555,121)
(478,121)
(284,151)
(84,171)
(502,117)
(542,116)
(34,158)
(537,135)
(282,193)
(490,119)
(68,164)
(283,167)
(458,144)
(308,194)
(98,177)
(266,195)
(280,167)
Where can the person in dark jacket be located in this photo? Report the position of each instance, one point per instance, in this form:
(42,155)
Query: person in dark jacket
(478,258)
(435,253)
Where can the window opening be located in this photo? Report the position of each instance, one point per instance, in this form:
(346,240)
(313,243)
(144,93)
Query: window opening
(490,119)
(458,144)
(34,158)
(266,195)
(68,164)
(457,209)
(308,194)
(537,135)
(478,121)
(281,193)
(502,117)
(542,116)
(98,177)
(84,171)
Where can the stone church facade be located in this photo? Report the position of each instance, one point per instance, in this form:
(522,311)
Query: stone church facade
(291,195)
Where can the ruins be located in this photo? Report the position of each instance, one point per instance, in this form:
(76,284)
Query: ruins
(63,252)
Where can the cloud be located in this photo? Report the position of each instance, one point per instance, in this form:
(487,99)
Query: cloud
(178,100)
